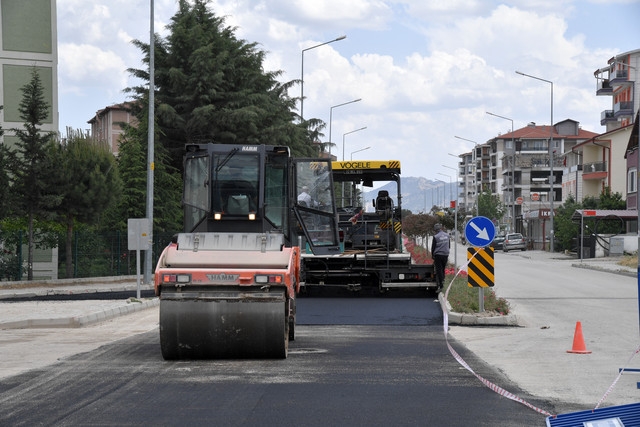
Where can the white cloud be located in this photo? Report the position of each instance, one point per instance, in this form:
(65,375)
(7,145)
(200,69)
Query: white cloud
(425,71)
(87,64)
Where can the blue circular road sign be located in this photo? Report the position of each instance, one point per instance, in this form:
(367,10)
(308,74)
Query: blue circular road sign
(480,231)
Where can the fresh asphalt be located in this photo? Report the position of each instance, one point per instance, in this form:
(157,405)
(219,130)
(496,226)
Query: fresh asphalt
(493,339)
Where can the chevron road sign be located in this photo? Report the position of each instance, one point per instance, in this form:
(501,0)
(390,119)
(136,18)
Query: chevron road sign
(480,269)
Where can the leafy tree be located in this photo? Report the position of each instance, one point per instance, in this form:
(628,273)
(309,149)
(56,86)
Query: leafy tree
(5,191)
(490,206)
(418,226)
(31,167)
(612,201)
(88,181)
(132,161)
(565,230)
(211,87)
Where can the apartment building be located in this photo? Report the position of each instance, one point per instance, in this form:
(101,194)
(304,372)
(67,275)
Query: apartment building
(516,166)
(618,80)
(467,195)
(596,164)
(28,38)
(108,124)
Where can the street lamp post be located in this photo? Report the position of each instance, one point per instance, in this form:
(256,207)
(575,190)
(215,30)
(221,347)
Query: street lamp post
(148,256)
(302,72)
(551,178)
(450,184)
(455,226)
(357,151)
(345,134)
(475,164)
(331,118)
(444,196)
(512,224)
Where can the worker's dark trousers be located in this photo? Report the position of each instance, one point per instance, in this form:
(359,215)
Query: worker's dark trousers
(440,262)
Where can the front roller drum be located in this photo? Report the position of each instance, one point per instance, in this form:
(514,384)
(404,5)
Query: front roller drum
(223,328)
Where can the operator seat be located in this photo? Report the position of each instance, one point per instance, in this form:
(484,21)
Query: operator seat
(384,205)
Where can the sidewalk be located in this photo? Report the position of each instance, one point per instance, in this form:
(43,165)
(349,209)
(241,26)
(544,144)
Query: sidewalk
(68,314)
(598,293)
(607,264)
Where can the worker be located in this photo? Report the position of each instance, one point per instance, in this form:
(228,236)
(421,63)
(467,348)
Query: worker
(304,198)
(440,246)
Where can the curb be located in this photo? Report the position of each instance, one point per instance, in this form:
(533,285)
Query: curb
(24,284)
(622,271)
(131,306)
(474,319)
(74,290)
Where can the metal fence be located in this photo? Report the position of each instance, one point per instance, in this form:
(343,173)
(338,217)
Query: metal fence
(93,254)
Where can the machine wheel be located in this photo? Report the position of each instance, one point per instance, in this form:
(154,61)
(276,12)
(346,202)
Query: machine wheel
(219,328)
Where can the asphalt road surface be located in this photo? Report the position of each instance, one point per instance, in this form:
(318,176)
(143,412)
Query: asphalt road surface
(357,361)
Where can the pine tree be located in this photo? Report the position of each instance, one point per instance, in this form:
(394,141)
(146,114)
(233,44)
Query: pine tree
(5,191)
(32,167)
(132,160)
(211,87)
(87,179)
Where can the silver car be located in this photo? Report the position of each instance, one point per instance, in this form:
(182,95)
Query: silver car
(514,241)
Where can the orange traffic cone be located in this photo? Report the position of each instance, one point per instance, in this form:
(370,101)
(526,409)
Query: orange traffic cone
(578,341)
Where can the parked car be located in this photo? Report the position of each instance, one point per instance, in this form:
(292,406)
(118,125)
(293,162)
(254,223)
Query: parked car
(498,242)
(514,241)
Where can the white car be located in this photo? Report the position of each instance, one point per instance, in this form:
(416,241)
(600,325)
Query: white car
(514,241)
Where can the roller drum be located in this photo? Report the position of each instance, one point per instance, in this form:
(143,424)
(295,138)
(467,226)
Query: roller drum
(223,325)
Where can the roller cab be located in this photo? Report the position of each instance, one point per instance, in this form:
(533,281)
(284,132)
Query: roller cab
(227,285)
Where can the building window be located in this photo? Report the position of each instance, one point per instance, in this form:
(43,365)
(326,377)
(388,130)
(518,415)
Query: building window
(632,180)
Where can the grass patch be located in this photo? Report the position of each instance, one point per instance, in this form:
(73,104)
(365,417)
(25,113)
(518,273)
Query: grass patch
(464,299)
(629,261)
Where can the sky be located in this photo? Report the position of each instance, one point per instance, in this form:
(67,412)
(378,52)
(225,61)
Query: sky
(425,71)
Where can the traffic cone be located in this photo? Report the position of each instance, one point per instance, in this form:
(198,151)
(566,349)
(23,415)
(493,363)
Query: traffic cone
(578,341)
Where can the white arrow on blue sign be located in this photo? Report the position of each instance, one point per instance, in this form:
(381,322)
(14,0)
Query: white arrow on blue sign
(480,231)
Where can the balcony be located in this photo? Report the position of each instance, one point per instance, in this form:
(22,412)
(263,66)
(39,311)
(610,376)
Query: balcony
(604,88)
(623,109)
(542,162)
(620,76)
(607,116)
(594,170)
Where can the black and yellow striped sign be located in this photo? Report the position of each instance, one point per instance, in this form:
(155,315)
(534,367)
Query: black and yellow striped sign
(480,268)
(397,225)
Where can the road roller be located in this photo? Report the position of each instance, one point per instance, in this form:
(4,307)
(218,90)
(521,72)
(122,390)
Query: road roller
(227,284)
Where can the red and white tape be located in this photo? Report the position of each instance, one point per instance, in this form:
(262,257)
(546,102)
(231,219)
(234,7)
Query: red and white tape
(489,384)
(610,389)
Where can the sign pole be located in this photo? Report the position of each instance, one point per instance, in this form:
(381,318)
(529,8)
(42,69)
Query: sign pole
(138,238)
(138,273)
(480,232)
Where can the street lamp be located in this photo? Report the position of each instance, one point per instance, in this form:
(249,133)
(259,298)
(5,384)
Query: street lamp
(443,190)
(551,179)
(512,224)
(331,117)
(475,164)
(302,72)
(345,134)
(357,151)
(450,183)
(455,226)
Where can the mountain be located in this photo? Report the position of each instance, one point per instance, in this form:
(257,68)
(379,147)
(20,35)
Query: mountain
(418,194)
